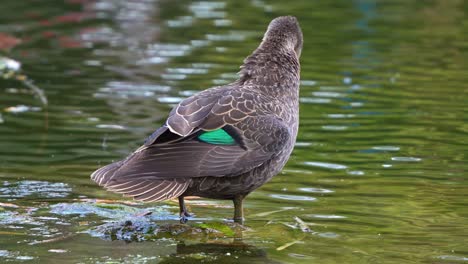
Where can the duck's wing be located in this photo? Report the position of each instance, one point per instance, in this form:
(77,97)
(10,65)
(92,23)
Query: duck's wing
(220,136)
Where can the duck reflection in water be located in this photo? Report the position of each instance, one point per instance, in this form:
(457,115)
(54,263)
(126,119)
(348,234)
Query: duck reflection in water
(236,252)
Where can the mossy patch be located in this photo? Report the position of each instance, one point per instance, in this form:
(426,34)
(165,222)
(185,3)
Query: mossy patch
(141,229)
(221,227)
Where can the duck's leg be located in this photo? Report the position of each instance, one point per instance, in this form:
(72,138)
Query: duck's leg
(183,213)
(238,209)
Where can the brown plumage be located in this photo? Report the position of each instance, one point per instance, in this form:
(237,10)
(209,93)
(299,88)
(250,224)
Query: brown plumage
(226,141)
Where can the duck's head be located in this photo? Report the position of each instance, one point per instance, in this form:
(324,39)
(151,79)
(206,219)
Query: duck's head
(284,32)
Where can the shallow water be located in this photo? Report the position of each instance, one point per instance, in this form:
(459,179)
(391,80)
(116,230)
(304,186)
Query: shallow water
(378,174)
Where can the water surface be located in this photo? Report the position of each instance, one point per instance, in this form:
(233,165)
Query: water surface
(378,174)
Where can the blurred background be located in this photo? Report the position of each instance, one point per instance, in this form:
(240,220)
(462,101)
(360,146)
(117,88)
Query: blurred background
(378,175)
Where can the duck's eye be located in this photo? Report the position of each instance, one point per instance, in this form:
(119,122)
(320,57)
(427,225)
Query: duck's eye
(217,137)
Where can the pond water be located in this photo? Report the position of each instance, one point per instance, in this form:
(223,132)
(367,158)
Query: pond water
(378,175)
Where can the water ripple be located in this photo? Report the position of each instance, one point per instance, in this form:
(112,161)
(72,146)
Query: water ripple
(182,21)
(453,258)
(326,216)
(173,76)
(128,89)
(315,190)
(406,159)
(309,100)
(326,165)
(205,9)
(293,197)
(327,94)
(21,109)
(308,83)
(187,70)
(341,115)
(386,148)
(111,126)
(356,172)
(334,128)
(302,144)
(232,36)
(222,22)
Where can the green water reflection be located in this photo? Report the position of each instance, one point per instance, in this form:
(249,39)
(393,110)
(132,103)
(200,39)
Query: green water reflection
(378,173)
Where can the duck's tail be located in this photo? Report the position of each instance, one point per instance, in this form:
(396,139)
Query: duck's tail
(104,174)
(146,189)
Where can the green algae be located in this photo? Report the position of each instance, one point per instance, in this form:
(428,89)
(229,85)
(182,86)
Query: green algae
(217,226)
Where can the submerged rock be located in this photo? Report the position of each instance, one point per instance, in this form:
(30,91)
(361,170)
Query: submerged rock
(126,230)
(236,252)
(142,229)
(134,224)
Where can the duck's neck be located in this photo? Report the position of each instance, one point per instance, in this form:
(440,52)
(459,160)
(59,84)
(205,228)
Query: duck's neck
(272,70)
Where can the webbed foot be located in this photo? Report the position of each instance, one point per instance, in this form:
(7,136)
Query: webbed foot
(184,214)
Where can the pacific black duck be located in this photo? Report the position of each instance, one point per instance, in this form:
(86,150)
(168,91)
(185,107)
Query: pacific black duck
(226,141)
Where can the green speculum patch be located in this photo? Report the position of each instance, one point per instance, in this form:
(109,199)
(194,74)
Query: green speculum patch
(217,137)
